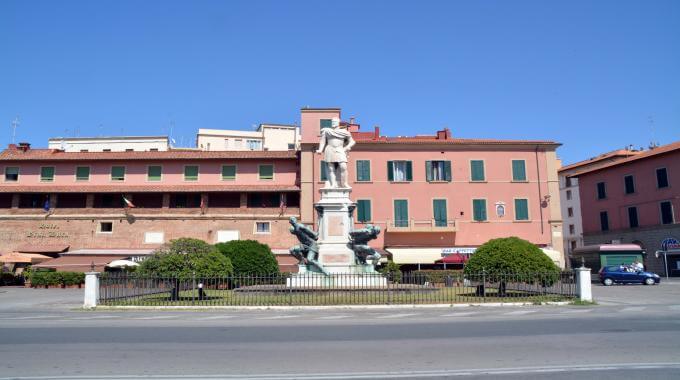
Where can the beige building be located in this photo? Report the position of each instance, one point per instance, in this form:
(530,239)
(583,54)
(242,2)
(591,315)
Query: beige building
(110,144)
(275,137)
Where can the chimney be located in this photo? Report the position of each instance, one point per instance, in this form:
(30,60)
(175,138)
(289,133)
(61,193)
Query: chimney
(376,132)
(351,120)
(24,146)
(12,147)
(444,134)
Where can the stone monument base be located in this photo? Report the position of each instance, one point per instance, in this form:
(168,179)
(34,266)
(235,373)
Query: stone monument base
(358,280)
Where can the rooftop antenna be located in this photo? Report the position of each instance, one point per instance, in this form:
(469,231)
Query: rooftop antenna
(15,124)
(172,126)
(653,144)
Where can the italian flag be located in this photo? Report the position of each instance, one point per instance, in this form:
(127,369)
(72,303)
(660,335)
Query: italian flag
(128,203)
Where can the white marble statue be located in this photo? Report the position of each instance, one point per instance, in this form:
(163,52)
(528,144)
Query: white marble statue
(335,144)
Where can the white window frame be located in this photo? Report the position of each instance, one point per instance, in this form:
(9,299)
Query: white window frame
(54,174)
(18,174)
(99,227)
(255,231)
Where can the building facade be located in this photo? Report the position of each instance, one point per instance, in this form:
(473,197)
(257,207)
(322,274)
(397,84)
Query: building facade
(140,200)
(433,195)
(266,137)
(635,200)
(110,144)
(570,200)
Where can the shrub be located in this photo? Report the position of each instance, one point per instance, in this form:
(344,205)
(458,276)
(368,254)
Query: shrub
(513,256)
(436,275)
(250,257)
(392,271)
(7,278)
(72,278)
(185,257)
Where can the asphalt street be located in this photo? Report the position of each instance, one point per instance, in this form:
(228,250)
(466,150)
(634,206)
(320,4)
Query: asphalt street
(44,335)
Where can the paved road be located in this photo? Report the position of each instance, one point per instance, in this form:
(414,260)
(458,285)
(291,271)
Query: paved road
(619,338)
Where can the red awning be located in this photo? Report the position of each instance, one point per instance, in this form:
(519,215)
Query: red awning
(455,258)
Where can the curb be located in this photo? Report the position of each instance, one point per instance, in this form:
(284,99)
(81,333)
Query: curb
(333,307)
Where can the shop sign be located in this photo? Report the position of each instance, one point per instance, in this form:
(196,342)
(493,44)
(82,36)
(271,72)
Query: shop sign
(670,244)
(459,250)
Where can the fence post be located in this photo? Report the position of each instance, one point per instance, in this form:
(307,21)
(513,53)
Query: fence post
(91,289)
(583,284)
(483,285)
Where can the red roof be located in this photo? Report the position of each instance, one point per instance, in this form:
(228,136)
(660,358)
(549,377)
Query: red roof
(77,263)
(641,156)
(365,139)
(146,188)
(607,157)
(15,154)
(455,258)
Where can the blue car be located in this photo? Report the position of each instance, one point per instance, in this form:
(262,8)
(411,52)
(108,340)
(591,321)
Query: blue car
(626,275)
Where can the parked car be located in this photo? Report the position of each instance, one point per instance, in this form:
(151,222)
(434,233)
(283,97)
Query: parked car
(625,275)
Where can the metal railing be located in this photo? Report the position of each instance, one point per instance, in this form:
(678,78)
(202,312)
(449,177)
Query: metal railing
(339,289)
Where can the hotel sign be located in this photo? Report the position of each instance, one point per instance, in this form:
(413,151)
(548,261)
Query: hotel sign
(47,230)
(670,244)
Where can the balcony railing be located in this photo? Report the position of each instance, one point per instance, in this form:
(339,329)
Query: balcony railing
(427,225)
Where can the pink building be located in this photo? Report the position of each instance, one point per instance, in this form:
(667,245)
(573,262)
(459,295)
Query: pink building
(435,195)
(635,200)
(51,200)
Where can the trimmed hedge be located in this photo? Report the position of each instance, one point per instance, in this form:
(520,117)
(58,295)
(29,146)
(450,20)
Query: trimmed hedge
(249,257)
(48,278)
(437,276)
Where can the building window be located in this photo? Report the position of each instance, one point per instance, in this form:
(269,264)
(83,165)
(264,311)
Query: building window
(633,217)
(400,213)
(118,173)
(399,171)
(266,172)
(325,123)
(573,245)
(479,210)
(572,230)
(629,184)
(661,178)
(129,150)
(521,209)
(106,150)
(363,170)
(238,143)
(363,210)
(519,171)
(47,174)
(323,171)
(439,212)
(82,173)
(84,150)
(262,227)
(666,209)
(604,221)
(601,190)
(437,171)
(568,195)
(228,172)
(254,144)
(570,212)
(477,171)
(11,174)
(153,149)
(291,146)
(567,182)
(106,227)
(191,173)
(154,173)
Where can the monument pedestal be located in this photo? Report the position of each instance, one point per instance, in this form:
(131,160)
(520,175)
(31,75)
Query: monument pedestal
(335,213)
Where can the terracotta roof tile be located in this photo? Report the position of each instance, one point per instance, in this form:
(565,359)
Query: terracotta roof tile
(54,154)
(602,157)
(146,188)
(641,156)
(362,139)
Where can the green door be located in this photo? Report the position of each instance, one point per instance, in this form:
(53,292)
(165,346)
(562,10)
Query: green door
(439,207)
(400,213)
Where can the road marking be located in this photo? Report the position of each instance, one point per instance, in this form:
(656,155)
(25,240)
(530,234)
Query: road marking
(462,314)
(397,316)
(93,317)
(215,317)
(31,317)
(576,311)
(335,317)
(633,308)
(155,317)
(520,312)
(278,317)
(674,307)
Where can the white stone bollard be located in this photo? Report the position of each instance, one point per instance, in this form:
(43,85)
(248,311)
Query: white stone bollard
(583,284)
(91,289)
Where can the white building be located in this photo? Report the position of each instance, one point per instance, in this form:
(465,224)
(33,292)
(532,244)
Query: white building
(110,144)
(572,227)
(266,137)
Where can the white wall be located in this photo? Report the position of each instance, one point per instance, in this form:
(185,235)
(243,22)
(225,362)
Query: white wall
(575,220)
(114,144)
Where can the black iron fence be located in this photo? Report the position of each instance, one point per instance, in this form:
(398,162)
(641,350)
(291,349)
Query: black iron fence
(339,289)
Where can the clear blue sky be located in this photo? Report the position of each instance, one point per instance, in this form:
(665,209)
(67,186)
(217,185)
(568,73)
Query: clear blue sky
(588,74)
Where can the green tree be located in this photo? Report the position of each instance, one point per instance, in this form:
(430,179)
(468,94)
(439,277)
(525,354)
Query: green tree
(184,258)
(393,271)
(249,257)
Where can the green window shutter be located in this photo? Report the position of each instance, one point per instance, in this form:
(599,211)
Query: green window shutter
(521,209)
(325,123)
(191,173)
(479,210)
(324,171)
(47,173)
(228,172)
(363,170)
(439,208)
(364,210)
(428,171)
(409,171)
(390,171)
(266,171)
(153,173)
(118,173)
(82,173)
(477,170)
(519,170)
(447,171)
(401,213)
